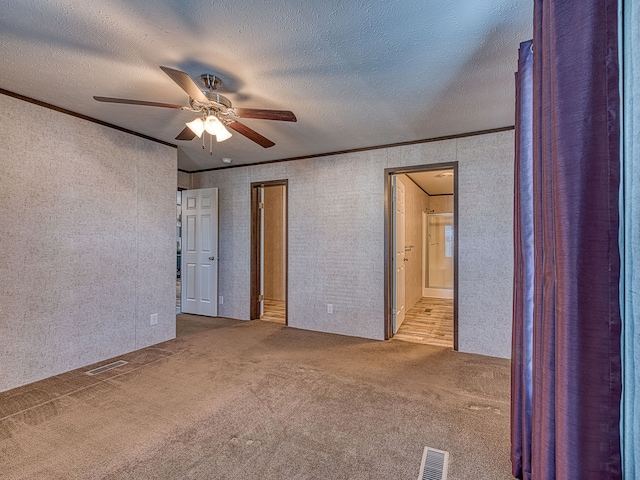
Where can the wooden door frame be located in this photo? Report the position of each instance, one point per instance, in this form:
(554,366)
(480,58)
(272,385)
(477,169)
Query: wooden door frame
(389,288)
(255,247)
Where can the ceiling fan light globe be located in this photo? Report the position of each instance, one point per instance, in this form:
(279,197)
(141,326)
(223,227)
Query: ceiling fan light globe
(196,126)
(212,125)
(223,134)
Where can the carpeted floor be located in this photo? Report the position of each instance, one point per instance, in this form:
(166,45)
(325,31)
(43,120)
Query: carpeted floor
(257,400)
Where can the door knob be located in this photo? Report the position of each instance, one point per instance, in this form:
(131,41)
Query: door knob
(212,258)
(406,259)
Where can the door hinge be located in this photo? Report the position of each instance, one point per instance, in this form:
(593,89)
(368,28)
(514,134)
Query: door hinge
(260,298)
(394,311)
(261,205)
(393,197)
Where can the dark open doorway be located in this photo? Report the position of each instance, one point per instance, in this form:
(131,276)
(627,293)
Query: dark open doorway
(269,251)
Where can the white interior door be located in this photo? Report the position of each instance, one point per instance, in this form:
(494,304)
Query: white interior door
(200,252)
(399,257)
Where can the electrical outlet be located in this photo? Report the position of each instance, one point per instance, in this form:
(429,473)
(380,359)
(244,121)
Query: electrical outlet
(221,300)
(153,319)
(329,308)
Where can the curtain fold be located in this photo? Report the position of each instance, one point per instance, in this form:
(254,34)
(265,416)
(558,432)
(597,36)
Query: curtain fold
(521,382)
(576,323)
(631,239)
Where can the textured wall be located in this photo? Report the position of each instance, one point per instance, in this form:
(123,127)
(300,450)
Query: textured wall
(274,239)
(416,202)
(87,242)
(485,265)
(184,180)
(336,237)
(441,203)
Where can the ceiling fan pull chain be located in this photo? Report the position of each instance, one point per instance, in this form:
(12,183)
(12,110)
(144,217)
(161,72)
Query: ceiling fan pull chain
(210,144)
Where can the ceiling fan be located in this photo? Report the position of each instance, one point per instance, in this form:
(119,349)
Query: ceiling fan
(216,111)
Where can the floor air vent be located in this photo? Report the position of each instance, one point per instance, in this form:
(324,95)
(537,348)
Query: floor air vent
(434,464)
(104,368)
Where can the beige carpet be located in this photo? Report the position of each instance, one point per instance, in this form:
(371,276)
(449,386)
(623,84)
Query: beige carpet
(257,400)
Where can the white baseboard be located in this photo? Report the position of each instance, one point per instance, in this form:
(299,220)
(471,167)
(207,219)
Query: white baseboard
(437,292)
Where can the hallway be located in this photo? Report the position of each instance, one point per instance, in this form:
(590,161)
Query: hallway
(429,321)
(274,311)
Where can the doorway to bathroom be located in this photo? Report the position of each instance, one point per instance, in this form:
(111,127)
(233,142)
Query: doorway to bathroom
(269,251)
(421,261)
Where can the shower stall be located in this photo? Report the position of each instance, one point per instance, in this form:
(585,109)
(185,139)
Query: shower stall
(437,254)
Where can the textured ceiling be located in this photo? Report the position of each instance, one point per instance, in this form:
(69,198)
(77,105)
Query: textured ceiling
(438,182)
(356,73)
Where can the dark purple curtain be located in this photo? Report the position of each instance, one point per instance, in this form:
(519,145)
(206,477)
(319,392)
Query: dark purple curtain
(575,341)
(521,379)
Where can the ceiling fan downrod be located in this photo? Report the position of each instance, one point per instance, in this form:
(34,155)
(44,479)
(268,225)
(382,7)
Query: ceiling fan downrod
(210,81)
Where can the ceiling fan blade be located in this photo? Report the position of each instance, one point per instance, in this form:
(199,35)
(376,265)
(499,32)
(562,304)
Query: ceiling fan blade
(250,134)
(136,102)
(281,115)
(186,83)
(186,134)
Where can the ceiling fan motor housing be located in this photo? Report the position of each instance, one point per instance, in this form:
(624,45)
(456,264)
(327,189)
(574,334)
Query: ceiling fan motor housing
(218,100)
